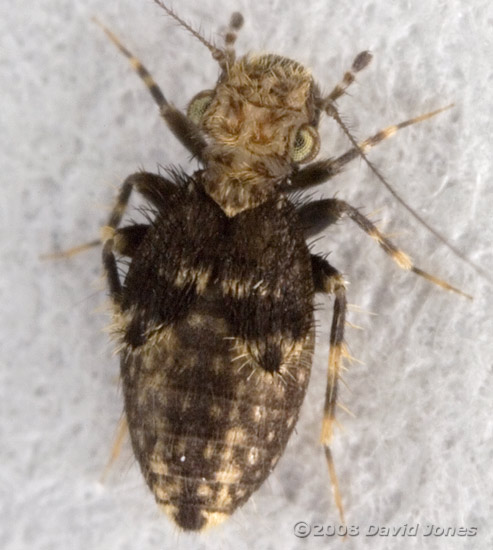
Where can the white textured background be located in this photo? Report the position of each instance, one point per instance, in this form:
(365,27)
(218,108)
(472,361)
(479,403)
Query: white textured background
(76,121)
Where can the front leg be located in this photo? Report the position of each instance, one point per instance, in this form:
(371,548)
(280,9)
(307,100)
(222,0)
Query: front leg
(181,127)
(323,170)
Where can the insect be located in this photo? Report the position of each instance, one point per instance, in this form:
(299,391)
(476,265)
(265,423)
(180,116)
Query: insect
(214,316)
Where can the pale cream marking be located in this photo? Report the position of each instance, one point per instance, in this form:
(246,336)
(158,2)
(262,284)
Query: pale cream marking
(106,232)
(167,489)
(215,411)
(237,288)
(180,446)
(162,493)
(234,413)
(182,277)
(227,455)
(198,320)
(300,375)
(253,455)
(257,413)
(158,467)
(204,490)
(223,498)
(274,460)
(213,518)
(235,436)
(169,509)
(202,280)
(200,277)
(159,449)
(240,492)
(231,474)
(228,471)
(209,450)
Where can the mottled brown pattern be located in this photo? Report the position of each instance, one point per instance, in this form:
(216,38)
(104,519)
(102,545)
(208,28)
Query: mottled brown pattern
(215,426)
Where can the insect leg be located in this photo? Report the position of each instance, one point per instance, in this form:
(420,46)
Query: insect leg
(360,62)
(111,270)
(182,128)
(323,170)
(71,251)
(121,433)
(127,239)
(151,186)
(328,280)
(315,215)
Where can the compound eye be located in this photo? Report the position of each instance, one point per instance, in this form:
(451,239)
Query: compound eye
(198,106)
(306,144)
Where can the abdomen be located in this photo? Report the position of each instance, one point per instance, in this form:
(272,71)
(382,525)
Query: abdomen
(207,422)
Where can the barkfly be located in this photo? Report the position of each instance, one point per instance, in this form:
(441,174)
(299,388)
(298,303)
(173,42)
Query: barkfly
(214,316)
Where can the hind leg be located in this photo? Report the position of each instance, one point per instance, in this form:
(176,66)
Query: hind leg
(329,281)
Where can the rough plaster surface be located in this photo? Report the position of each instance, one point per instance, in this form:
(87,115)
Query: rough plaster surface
(76,121)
